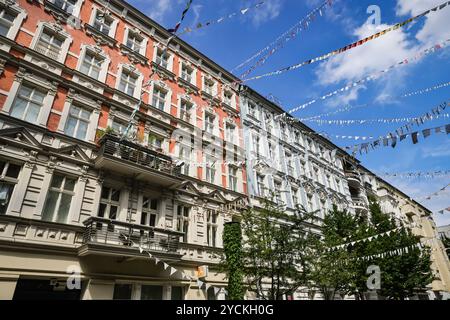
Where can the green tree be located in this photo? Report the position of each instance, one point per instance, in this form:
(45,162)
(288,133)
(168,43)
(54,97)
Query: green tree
(402,275)
(277,250)
(331,274)
(232,245)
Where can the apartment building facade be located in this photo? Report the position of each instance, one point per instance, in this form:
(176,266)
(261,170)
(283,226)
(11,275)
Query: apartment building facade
(112,138)
(290,164)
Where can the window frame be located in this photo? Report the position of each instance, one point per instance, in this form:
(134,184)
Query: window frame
(20,15)
(4,179)
(54,29)
(61,191)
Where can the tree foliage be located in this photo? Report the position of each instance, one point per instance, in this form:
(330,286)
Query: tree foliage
(277,250)
(232,245)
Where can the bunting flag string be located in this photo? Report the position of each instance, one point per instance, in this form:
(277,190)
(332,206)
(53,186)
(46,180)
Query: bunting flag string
(377,75)
(379,121)
(368,239)
(183,15)
(350,107)
(391,139)
(413,175)
(173,270)
(434,193)
(291,34)
(443,210)
(208,23)
(350,46)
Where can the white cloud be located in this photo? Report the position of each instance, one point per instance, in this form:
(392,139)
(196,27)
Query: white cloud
(366,59)
(158,9)
(435,28)
(268,11)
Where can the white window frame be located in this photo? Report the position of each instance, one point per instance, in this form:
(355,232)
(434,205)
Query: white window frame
(232,103)
(104,66)
(214,86)
(190,66)
(235,177)
(210,167)
(9,180)
(85,103)
(164,100)
(143,47)
(170,59)
(213,123)
(32,81)
(65,45)
(21,14)
(228,127)
(187,159)
(76,7)
(139,78)
(192,110)
(112,30)
(60,192)
(211,225)
(109,202)
(180,222)
(149,211)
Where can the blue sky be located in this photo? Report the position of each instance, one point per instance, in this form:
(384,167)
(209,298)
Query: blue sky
(237,39)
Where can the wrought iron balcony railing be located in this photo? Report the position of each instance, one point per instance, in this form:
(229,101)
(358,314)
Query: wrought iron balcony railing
(100,231)
(112,146)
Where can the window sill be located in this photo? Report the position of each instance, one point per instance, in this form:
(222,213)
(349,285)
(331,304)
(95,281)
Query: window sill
(100,37)
(163,72)
(133,56)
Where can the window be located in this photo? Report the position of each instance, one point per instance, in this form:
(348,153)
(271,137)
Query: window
(177,293)
(310,202)
(211,228)
(77,122)
(256,144)
(187,73)
(290,166)
(9,174)
(28,103)
(149,212)
(338,185)
(209,123)
(252,109)
(185,110)
(183,221)
(127,82)
(260,185)
(103,22)
(49,44)
(230,130)
(6,21)
(295,197)
(119,127)
(155,141)
(159,98)
(277,191)
(92,64)
(270,151)
(122,291)
(185,154)
(66,5)
(109,203)
(162,58)
(209,87)
(210,170)
(151,292)
(59,198)
(232,178)
(228,98)
(134,41)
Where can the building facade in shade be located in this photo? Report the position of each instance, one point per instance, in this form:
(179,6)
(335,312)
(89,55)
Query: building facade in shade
(111,139)
(293,166)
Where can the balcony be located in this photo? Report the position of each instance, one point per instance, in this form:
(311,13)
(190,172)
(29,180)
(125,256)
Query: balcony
(360,205)
(140,163)
(353,179)
(109,237)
